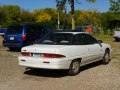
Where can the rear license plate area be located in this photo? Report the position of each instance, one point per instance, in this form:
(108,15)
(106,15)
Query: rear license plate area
(12,38)
(36,55)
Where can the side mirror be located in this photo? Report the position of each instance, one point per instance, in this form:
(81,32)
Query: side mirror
(100,41)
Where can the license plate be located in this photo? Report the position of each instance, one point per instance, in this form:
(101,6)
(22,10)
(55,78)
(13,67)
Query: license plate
(11,38)
(36,55)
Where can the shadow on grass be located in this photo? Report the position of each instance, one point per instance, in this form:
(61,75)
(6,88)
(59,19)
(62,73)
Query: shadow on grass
(57,73)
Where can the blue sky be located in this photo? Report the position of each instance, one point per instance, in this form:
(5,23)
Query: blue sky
(31,5)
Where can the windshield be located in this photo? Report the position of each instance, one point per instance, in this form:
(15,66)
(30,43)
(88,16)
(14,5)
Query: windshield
(57,39)
(15,29)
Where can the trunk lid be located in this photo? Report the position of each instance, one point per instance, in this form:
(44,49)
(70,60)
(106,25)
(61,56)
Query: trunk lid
(42,48)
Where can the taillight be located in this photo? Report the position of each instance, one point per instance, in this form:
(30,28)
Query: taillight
(24,37)
(26,54)
(52,56)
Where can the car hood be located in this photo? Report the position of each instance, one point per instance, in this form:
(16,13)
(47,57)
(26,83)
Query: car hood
(42,48)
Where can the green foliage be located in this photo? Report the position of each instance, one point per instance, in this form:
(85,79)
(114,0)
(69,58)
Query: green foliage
(89,18)
(91,0)
(106,18)
(2,16)
(51,16)
(60,4)
(115,6)
(27,17)
(11,14)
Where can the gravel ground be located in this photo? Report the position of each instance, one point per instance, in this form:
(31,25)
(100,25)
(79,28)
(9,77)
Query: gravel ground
(92,77)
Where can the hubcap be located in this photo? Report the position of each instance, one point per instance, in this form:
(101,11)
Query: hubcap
(75,66)
(107,58)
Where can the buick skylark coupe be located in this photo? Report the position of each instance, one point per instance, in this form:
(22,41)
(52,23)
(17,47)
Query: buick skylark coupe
(65,50)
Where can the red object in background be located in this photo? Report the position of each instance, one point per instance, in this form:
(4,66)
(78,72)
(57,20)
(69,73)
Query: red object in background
(89,30)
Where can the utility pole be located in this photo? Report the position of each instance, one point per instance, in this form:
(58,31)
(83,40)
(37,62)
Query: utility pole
(60,5)
(58,19)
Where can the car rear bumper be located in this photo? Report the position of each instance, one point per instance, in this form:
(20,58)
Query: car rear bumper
(12,44)
(43,63)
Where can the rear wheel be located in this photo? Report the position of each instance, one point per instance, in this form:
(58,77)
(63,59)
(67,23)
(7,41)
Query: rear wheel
(106,57)
(74,67)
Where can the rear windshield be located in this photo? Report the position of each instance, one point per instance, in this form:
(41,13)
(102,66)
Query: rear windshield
(15,29)
(56,39)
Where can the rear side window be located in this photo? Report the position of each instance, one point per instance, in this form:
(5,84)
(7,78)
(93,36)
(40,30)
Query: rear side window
(88,39)
(78,40)
(15,29)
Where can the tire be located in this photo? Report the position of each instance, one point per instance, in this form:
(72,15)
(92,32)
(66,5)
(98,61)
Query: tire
(12,48)
(116,39)
(74,68)
(106,57)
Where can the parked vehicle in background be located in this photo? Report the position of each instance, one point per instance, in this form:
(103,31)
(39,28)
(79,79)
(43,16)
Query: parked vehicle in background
(65,50)
(117,35)
(18,36)
(88,29)
(2,32)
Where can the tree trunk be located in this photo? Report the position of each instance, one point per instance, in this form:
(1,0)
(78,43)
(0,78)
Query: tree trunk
(72,15)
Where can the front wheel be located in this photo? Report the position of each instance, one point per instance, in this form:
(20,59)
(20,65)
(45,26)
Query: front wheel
(74,67)
(106,57)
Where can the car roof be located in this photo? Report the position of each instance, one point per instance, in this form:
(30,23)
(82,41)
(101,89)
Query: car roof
(70,31)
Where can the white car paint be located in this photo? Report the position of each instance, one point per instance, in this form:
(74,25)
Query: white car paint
(71,52)
(87,53)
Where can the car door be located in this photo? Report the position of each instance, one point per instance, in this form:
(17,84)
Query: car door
(80,49)
(94,48)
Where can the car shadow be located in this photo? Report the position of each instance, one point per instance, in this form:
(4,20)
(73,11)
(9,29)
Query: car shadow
(57,73)
(46,73)
(92,65)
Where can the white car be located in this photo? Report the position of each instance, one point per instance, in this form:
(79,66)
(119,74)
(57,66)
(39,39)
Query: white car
(65,50)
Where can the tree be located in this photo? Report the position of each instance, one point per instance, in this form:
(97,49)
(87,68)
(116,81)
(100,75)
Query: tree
(115,6)
(72,10)
(2,16)
(12,14)
(43,18)
(94,18)
(27,17)
(106,18)
(50,14)
(87,18)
